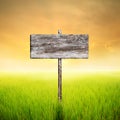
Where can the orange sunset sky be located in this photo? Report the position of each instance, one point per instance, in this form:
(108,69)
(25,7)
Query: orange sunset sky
(98,18)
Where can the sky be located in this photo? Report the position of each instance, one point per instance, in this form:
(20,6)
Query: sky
(100,19)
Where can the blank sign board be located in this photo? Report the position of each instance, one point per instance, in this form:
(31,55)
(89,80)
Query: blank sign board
(59,46)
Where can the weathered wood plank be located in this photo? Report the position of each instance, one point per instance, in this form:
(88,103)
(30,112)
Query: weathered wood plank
(59,46)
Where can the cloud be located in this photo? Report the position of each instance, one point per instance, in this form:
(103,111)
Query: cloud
(99,18)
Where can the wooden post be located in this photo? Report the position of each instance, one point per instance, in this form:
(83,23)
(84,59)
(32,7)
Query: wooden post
(59,75)
(59,79)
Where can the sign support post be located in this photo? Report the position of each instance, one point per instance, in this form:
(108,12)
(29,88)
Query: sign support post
(59,79)
(59,74)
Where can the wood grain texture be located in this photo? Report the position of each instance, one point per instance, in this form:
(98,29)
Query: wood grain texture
(59,46)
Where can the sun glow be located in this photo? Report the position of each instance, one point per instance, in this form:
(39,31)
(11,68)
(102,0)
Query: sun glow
(19,19)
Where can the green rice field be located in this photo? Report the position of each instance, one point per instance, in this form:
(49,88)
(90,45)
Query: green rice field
(85,96)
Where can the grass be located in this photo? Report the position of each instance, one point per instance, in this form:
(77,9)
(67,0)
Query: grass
(86,96)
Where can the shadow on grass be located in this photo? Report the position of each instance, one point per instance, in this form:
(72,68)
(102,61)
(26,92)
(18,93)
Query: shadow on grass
(59,112)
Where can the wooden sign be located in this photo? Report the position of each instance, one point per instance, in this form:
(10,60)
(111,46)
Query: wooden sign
(59,46)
